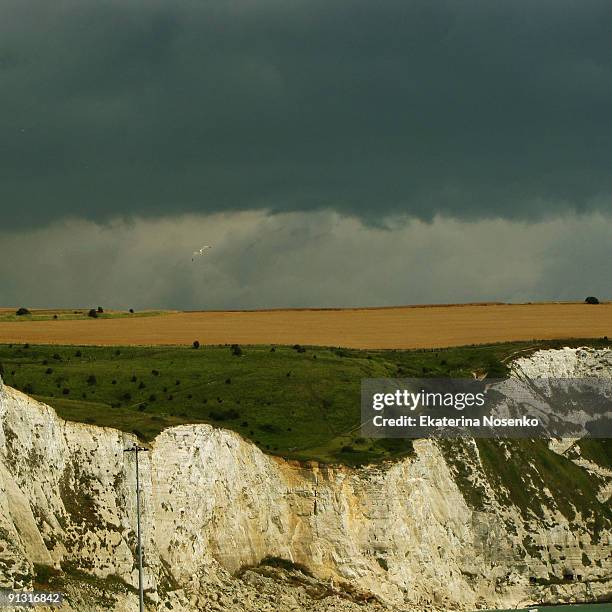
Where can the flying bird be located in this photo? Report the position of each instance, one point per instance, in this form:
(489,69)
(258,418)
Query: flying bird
(200,251)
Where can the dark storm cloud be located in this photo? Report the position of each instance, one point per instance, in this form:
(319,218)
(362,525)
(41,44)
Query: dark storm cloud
(143,107)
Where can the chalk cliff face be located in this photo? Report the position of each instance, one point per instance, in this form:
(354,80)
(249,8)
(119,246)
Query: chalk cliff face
(448,528)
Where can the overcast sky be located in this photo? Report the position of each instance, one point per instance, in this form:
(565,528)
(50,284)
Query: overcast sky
(334,153)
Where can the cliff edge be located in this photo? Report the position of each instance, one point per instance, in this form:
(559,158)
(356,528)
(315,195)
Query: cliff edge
(227,527)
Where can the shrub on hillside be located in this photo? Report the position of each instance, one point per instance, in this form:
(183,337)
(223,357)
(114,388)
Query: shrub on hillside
(22,312)
(236,350)
(224,415)
(93,313)
(196,344)
(591,300)
(100,309)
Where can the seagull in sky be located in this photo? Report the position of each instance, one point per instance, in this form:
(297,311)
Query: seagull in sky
(201,251)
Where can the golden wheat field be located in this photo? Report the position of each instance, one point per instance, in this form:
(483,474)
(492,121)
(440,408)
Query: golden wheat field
(384,328)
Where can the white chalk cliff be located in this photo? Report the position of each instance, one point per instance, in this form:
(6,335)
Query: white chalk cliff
(436,531)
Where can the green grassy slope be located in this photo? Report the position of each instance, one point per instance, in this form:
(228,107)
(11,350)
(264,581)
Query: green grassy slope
(533,478)
(81,313)
(300,402)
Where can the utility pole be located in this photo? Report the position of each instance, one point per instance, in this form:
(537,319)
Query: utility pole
(137,449)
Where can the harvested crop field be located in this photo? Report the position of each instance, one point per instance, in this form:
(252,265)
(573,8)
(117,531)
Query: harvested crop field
(384,328)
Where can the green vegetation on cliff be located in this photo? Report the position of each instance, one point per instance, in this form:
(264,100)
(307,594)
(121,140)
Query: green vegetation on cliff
(298,402)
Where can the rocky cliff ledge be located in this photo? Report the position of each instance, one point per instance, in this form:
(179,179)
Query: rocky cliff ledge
(456,526)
